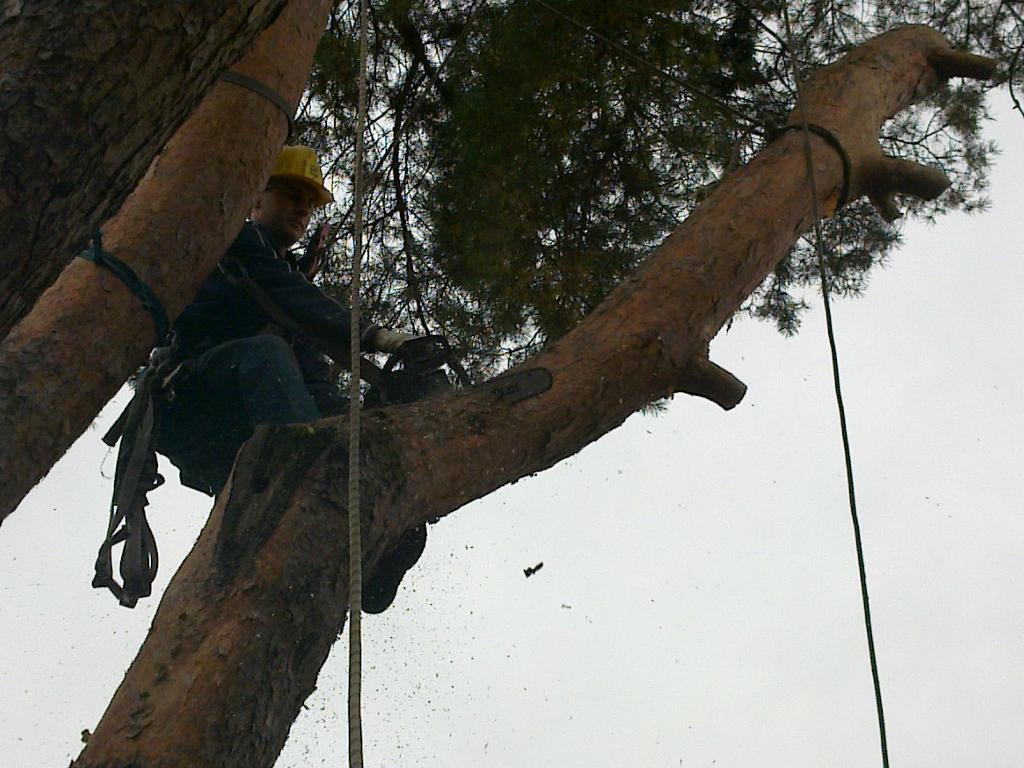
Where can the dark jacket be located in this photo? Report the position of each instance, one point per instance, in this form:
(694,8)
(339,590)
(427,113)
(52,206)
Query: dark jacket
(222,312)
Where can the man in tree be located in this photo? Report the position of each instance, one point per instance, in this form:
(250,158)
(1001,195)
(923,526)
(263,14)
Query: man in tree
(245,351)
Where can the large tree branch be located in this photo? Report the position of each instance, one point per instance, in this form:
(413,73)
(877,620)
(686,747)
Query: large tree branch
(90,92)
(87,333)
(249,618)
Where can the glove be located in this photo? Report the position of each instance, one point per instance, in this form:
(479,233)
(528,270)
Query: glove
(420,353)
(384,340)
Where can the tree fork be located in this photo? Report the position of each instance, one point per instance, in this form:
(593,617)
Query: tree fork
(237,642)
(90,93)
(87,333)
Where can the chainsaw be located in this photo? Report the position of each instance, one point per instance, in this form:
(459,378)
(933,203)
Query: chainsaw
(411,373)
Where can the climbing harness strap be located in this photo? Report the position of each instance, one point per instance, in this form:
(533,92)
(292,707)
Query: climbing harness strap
(127,275)
(135,476)
(264,90)
(236,274)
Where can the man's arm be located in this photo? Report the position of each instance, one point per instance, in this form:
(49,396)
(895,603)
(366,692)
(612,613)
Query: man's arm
(292,292)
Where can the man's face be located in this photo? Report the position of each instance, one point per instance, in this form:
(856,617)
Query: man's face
(284,210)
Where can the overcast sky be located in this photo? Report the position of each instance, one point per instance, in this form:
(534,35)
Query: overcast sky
(698,604)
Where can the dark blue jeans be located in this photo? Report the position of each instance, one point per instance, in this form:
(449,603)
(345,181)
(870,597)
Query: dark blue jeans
(220,397)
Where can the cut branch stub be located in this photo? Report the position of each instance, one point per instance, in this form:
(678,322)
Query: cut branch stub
(851,103)
(703,378)
(949,63)
(886,176)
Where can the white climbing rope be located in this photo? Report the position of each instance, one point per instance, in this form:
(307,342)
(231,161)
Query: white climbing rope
(355,548)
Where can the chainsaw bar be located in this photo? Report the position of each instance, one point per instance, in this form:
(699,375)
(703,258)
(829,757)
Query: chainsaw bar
(519,385)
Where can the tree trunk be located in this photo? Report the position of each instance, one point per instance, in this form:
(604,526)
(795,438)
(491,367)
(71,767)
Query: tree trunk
(90,92)
(248,620)
(87,333)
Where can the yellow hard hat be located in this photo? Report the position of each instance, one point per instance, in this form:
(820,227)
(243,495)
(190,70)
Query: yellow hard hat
(299,163)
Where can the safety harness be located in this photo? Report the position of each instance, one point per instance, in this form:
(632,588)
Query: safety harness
(135,476)
(410,374)
(136,473)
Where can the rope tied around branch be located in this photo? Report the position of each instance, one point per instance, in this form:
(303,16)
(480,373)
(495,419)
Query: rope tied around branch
(805,126)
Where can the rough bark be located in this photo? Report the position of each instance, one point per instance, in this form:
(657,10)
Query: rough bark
(87,332)
(249,618)
(89,93)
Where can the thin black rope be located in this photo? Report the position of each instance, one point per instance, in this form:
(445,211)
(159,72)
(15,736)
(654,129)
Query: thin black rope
(685,84)
(823,273)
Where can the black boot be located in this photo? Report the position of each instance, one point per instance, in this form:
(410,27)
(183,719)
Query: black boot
(379,592)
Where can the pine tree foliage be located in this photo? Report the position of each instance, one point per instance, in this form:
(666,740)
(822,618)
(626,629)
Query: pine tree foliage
(521,165)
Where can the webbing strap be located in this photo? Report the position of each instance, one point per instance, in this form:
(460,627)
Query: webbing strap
(135,476)
(127,275)
(264,90)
